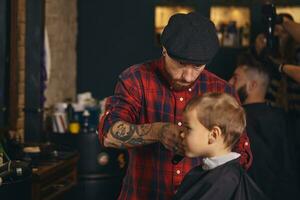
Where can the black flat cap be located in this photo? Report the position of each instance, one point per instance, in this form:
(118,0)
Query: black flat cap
(190,38)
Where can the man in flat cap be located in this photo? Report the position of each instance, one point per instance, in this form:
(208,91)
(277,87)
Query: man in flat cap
(145,113)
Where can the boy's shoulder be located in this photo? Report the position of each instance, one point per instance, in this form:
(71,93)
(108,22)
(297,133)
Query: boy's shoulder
(217,183)
(228,174)
(227,181)
(245,188)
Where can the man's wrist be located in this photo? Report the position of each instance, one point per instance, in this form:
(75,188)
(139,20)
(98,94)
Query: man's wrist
(160,129)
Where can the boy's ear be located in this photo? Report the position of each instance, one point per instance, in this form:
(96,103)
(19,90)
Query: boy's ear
(214,134)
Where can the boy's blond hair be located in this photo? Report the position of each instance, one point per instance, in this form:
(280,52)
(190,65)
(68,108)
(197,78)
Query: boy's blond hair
(222,110)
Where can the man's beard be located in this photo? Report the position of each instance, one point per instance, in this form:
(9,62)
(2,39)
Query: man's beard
(177,85)
(242,92)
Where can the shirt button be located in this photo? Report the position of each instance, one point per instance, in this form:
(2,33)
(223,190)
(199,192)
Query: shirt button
(178,171)
(107,112)
(179,123)
(190,89)
(246,144)
(180,99)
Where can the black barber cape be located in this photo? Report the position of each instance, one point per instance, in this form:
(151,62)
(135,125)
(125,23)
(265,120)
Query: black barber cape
(225,182)
(273,167)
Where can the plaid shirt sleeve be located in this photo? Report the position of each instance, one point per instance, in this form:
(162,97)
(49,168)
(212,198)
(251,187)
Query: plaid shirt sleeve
(124,105)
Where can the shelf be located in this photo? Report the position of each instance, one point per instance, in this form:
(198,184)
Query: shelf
(164,12)
(54,179)
(225,14)
(293,10)
(232,24)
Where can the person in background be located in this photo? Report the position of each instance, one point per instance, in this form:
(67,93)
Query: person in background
(293,71)
(215,122)
(285,27)
(283,90)
(291,27)
(272,144)
(146,111)
(259,46)
(284,68)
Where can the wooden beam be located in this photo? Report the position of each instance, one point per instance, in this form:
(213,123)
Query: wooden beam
(13,68)
(4,62)
(35,11)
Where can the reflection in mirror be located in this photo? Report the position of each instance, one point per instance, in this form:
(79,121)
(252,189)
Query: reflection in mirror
(233,25)
(294,11)
(163,13)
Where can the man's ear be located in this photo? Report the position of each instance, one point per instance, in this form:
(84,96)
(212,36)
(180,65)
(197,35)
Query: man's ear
(251,85)
(164,51)
(214,134)
(202,67)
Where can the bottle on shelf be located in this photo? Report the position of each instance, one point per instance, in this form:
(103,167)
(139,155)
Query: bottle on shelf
(220,30)
(74,125)
(85,127)
(69,111)
(231,37)
(3,154)
(245,35)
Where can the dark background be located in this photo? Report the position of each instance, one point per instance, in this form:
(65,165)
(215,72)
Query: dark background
(112,35)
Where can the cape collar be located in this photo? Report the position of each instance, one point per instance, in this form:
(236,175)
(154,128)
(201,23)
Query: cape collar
(213,162)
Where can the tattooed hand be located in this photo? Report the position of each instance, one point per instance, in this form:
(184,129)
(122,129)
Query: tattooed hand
(169,136)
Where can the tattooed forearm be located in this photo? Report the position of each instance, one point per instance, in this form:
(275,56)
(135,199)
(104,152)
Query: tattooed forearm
(144,129)
(119,145)
(122,131)
(162,130)
(123,134)
(136,141)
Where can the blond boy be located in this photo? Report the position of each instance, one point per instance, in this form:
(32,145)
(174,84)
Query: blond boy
(214,123)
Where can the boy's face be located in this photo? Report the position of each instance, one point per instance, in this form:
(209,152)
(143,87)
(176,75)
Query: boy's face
(195,140)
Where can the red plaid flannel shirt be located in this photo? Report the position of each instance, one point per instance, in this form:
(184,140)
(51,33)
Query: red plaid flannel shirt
(142,95)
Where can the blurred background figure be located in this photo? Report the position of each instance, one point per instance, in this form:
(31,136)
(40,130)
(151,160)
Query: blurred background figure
(279,52)
(267,128)
(291,27)
(282,88)
(259,45)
